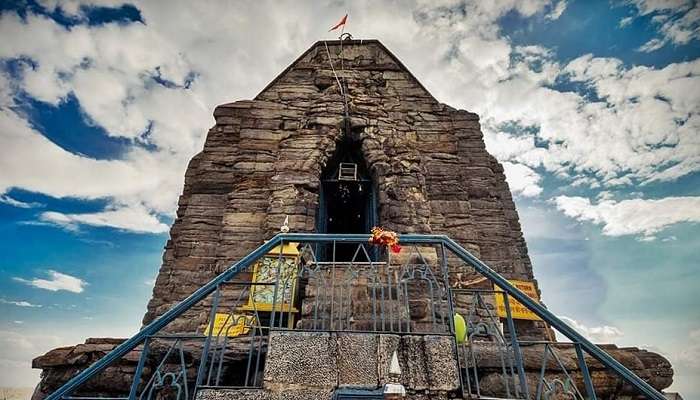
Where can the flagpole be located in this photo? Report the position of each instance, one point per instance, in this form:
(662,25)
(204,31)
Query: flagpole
(342,31)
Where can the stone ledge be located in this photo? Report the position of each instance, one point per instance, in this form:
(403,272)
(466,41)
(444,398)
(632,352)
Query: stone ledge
(358,360)
(261,394)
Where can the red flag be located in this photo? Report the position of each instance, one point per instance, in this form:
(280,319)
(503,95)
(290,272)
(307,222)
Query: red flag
(339,24)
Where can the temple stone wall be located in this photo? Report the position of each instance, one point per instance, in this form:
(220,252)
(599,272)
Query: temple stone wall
(263,159)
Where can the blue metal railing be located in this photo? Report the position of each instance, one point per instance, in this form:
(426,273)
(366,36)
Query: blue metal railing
(582,344)
(555,322)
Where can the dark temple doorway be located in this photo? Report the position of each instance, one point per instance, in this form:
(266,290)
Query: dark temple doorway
(347,202)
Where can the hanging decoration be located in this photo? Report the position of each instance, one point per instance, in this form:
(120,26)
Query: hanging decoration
(381,237)
(460,329)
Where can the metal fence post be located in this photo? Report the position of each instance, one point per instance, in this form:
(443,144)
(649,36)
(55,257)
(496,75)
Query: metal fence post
(590,390)
(139,371)
(207,342)
(516,348)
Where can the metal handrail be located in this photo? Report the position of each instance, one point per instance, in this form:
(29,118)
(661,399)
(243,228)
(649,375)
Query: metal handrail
(555,322)
(201,293)
(163,320)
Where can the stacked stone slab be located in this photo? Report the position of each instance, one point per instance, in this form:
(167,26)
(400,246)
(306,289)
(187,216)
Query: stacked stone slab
(262,161)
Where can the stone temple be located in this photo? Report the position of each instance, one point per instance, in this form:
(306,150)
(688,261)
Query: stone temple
(344,139)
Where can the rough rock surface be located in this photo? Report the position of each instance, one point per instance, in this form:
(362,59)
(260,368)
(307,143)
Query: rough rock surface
(60,364)
(263,159)
(327,360)
(302,357)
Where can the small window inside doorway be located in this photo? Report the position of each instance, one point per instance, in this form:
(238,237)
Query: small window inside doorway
(347,172)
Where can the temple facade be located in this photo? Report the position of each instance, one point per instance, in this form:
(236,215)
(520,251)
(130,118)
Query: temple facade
(424,163)
(345,139)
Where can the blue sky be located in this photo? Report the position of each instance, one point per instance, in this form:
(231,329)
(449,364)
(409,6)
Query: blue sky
(592,107)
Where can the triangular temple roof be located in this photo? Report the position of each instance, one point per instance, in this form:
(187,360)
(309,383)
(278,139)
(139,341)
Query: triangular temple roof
(321,44)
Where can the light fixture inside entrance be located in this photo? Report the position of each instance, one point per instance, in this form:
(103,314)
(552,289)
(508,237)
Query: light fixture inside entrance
(347,172)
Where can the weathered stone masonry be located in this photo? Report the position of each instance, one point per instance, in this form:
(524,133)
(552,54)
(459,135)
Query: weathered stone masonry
(263,160)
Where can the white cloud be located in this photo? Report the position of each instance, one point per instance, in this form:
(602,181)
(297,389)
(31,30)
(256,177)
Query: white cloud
(109,69)
(16,203)
(640,129)
(20,303)
(646,238)
(35,163)
(652,45)
(143,185)
(505,146)
(671,238)
(7,89)
(625,21)
(690,357)
(522,180)
(133,218)
(632,217)
(643,128)
(17,349)
(57,281)
(605,195)
(678,21)
(557,11)
(597,334)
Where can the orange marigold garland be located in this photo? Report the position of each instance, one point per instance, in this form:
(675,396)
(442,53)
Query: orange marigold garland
(380,237)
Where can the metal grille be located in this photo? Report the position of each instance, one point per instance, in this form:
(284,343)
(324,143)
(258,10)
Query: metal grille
(406,294)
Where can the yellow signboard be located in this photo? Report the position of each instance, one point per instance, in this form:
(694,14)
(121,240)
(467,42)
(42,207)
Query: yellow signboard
(285,262)
(231,325)
(517,310)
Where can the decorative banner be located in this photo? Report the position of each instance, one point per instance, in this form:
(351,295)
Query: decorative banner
(266,271)
(278,269)
(461,333)
(517,310)
(381,237)
(231,325)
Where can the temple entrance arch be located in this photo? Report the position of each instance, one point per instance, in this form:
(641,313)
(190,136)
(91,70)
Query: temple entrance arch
(347,200)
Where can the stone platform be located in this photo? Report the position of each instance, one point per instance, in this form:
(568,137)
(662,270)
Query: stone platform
(313,365)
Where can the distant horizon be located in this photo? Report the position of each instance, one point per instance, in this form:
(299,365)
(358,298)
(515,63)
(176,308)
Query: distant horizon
(17,393)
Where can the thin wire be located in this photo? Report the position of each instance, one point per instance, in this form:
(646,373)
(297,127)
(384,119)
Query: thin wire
(333,69)
(342,31)
(342,69)
(346,110)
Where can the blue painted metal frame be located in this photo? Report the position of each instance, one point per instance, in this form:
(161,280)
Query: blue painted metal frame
(590,390)
(155,326)
(598,353)
(516,348)
(352,393)
(443,240)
